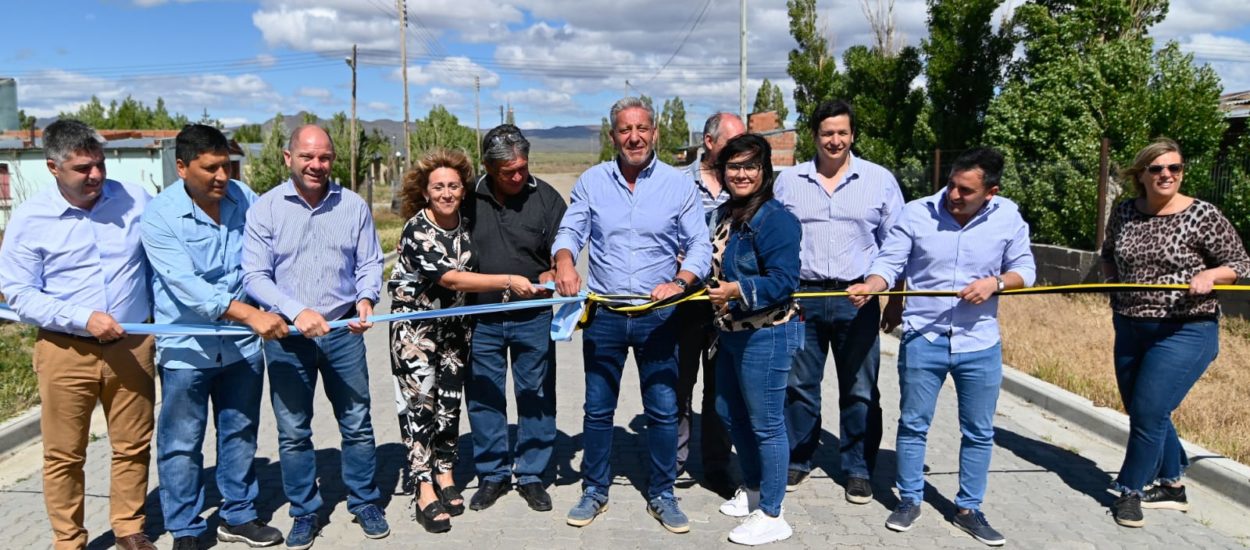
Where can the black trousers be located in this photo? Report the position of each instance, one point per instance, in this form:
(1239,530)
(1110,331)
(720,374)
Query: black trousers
(693,342)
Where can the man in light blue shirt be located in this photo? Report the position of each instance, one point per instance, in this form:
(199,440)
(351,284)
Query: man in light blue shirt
(72,264)
(845,205)
(638,214)
(964,237)
(193,236)
(312,255)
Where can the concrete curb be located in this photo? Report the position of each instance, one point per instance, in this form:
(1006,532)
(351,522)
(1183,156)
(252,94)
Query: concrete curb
(1222,475)
(20,431)
(23,430)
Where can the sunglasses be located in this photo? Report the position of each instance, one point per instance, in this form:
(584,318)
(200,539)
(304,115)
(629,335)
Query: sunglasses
(1157,169)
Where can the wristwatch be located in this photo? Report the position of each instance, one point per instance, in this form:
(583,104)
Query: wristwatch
(681,283)
(1001,284)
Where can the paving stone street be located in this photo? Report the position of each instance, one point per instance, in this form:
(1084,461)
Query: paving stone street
(1047,487)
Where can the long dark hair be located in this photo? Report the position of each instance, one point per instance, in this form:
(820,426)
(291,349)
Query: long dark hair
(741,210)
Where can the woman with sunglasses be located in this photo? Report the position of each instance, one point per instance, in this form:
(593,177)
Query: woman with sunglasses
(1164,340)
(755,270)
(428,358)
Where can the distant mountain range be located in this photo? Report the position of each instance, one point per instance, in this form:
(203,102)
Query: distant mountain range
(561,138)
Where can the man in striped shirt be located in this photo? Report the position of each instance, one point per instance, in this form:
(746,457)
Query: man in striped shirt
(846,206)
(311,254)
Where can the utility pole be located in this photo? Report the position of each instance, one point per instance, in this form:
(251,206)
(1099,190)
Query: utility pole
(352,63)
(403,56)
(742,63)
(501,114)
(477,113)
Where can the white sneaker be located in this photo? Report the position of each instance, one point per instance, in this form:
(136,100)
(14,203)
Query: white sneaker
(759,528)
(741,504)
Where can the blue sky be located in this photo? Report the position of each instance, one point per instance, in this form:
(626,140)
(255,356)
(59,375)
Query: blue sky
(558,62)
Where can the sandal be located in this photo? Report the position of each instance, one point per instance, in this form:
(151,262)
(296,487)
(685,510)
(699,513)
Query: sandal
(427,517)
(448,494)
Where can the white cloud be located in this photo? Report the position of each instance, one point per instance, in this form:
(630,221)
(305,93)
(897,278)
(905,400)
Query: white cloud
(266,60)
(450,99)
(315,93)
(1202,16)
(451,71)
(49,92)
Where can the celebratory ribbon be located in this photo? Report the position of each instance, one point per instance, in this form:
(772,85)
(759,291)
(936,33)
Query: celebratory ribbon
(572,308)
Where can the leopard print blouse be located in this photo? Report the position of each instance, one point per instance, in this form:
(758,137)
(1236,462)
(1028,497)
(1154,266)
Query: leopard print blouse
(1170,249)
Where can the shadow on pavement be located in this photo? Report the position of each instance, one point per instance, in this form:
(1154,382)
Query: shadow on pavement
(1078,472)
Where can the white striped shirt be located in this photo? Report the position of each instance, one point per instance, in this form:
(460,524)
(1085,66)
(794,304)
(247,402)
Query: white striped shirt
(842,231)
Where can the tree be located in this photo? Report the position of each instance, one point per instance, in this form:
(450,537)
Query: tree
(1087,72)
(267,169)
(249,133)
(92,114)
(340,131)
(965,59)
(306,118)
(673,128)
(770,98)
(130,114)
(25,122)
(813,68)
(607,149)
(442,129)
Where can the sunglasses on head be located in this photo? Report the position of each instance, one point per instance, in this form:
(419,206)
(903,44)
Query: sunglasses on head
(1157,169)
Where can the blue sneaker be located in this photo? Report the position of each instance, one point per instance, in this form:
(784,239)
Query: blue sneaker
(372,522)
(903,516)
(975,524)
(665,509)
(590,505)
(303,532)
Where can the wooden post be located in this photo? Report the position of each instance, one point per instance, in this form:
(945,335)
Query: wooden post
(937,170)
(1104,176)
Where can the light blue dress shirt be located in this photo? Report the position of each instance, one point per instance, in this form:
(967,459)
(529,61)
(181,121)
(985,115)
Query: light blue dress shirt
(843,230)
(60,263)
(933,252)
(635,237)
(297,257)
(197,271)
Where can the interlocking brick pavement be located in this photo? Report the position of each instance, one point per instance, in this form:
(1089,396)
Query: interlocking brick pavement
(1047,487)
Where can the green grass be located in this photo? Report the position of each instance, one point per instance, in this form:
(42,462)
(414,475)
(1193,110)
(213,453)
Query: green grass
(19,388)
(389,226)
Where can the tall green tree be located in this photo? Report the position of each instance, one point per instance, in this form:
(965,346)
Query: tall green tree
(674,130)
(965,62)
(813,68)
(770,98)
(268,168)
(340,130)
(1088,72)
(249,133)
(442,129)
(607,149)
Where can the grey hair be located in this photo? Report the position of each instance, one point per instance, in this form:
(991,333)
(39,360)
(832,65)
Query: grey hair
(504,143)
(712,126)
(68,136)
(630,103)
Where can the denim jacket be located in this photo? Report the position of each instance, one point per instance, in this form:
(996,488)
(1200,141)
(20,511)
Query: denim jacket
(762,256)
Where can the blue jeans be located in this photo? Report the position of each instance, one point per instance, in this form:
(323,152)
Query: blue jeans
(525,335)
(294,364)
(753,367)
(606,342)
(922,369)
(1156,363)
(235,393)
(852,334)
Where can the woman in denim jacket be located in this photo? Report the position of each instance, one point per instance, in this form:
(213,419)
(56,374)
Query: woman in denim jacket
(755,271)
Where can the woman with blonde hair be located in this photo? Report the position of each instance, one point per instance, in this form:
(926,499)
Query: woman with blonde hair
(428,358)
(1164,340)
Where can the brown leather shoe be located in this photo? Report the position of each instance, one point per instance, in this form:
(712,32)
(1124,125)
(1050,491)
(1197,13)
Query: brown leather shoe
(137,541)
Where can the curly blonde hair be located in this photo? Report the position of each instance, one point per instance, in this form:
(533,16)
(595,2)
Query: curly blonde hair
(412,195)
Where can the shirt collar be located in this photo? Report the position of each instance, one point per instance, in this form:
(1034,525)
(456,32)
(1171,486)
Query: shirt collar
(63,206)
(644,173)
(483,186)
(808,169)
(289,190)
(937,202)
(186,207)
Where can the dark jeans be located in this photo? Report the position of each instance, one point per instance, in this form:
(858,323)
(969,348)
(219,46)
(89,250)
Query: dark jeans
(695,334)
(754,367)
(525,335)
(852,334)
(234,391)
(1156,363)
(606,342)
(295,362)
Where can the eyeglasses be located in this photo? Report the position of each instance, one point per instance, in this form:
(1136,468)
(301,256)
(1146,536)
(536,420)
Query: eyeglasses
(505,138)
(750,168)
(454,188)
(1156,169)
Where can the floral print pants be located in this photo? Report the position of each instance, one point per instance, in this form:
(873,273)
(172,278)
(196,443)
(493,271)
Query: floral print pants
(428,359)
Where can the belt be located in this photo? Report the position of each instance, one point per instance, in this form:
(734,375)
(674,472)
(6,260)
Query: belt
(43,332)
(830,284)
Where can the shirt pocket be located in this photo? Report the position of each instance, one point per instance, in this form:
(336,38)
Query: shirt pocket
(205,254)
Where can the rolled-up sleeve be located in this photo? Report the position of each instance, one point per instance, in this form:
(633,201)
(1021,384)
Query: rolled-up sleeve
(172,263)
(1018,254)
(891,260)
(575,225)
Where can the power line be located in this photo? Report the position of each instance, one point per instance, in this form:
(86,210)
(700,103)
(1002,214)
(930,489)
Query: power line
(697,20)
